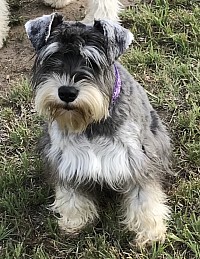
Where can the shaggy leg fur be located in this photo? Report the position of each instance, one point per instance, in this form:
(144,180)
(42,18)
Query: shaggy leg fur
(97,9)
(103,9)
(58,3)
(75,209)
(145,213)
(4,20)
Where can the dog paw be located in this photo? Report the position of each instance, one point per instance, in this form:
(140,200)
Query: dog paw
(148,240)
(71,226)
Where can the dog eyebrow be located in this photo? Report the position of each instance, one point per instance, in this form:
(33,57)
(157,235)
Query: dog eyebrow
(94,54)
(49,50)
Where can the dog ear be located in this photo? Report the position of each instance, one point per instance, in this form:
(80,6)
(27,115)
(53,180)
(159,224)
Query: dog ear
(118,38)
(39,29)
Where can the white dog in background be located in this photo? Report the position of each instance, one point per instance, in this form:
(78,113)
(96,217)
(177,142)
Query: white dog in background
(4,20)
(97,9)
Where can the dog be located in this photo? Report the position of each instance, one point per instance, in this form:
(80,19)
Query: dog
(96,9)
(102,130)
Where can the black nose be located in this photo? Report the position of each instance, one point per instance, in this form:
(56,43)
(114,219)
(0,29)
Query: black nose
(67,93)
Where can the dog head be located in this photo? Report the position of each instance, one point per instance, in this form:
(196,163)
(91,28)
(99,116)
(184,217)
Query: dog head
(74,73)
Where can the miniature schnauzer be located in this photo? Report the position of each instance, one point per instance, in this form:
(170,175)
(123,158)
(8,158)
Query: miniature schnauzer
(102,130)
(96,9)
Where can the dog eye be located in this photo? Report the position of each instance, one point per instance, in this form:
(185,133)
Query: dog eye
(78,77)
(92,64)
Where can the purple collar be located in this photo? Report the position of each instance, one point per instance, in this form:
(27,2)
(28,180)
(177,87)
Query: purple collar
(117,86)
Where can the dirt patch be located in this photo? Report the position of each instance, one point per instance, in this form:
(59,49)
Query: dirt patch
(17,56)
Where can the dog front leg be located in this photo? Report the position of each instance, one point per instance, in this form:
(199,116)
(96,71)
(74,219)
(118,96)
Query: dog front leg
(146,213)
(75,209)
(4,21)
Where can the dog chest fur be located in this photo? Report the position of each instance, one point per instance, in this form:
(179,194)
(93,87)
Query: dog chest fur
(100,159)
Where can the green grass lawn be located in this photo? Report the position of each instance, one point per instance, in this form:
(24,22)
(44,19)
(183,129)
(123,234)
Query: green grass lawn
(165,59)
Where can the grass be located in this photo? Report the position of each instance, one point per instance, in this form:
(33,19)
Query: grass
(165,60)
